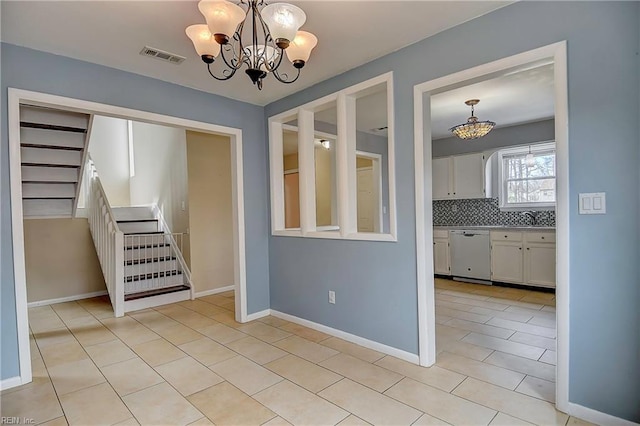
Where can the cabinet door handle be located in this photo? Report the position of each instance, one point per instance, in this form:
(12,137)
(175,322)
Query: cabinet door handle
(519,248)
(505,236)
(527,248)
(543,238)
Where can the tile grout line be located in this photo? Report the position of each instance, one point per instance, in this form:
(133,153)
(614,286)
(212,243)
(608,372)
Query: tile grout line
(139,357)
(88,356)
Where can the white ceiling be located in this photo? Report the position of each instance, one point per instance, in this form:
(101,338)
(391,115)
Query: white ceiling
(112,33)
(518,97)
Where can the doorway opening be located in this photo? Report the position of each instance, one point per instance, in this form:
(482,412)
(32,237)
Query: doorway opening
(426,193)
(17,98)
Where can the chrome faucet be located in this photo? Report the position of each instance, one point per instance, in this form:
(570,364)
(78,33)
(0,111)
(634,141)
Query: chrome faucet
(531,216)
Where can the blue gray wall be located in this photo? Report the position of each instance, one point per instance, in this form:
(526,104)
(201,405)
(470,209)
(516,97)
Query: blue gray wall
(32,70)
(529,133)
(375,283)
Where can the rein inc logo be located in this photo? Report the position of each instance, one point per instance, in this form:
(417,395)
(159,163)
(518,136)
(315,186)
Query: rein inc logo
(17,421)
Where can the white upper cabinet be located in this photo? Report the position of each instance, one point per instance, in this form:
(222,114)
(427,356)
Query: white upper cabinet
(468,176)
(460,176)
(441,178)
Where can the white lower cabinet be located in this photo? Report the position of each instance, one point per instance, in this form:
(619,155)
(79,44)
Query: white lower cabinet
(524,258)
(441,254)
(507,262)
(540,264)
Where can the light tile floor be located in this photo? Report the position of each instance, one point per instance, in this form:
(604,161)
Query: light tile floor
(191,363)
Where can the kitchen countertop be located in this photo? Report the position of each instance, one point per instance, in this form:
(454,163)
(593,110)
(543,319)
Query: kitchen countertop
(497,228)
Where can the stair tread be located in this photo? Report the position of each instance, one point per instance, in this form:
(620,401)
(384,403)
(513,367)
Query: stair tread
(152,275)
(65,166)
(149,260)
(47,182)
(37,197)
(156,292)
(145,233)
(52,127)
(136,220)
(43,146)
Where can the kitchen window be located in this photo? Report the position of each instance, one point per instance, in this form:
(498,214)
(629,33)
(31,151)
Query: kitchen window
(527,177)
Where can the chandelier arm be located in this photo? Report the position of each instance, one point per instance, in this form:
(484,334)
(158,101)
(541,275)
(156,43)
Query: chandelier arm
(232,71)
(240,55)
(230,63)
(284,79)
(273,68)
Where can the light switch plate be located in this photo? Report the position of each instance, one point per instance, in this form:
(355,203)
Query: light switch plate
(592,203)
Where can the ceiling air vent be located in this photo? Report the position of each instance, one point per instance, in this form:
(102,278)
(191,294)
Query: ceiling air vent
(162,55)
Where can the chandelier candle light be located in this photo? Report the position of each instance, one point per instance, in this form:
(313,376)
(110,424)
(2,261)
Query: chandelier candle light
(472,129)
(274,31)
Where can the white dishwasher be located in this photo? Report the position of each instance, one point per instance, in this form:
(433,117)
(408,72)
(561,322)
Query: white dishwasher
(471,256)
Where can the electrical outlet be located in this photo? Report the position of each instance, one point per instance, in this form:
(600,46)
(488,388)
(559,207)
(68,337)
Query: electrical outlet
(332,297)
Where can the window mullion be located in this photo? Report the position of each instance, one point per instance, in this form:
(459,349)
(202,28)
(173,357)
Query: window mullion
(346,165)
(277,175)
(307,171)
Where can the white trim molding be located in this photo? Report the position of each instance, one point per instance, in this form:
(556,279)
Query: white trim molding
(371,344)
(257,315)
(17,231)
(345,171)
(597,417)
(215,291)
(424,211)
(11,382)
(67,299)
(18,96)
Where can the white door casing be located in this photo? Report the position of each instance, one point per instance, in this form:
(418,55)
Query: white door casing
(17,97)
(424,194)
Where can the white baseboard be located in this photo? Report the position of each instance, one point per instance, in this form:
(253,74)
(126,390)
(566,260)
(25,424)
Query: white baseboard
(11,382)
(214,291)
(67,299)
(376,346)
(597,417)
(257,315)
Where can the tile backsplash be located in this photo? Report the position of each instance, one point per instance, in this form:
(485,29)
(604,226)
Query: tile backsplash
(484,211)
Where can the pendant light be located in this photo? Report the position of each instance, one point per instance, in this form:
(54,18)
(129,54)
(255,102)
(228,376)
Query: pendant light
(473,128)
(529,159)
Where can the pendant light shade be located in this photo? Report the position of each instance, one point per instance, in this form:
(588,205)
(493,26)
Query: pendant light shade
(529,159)
(222,17)
(473,128)
(202,40)
(300,48)
(283,20)
(263,57)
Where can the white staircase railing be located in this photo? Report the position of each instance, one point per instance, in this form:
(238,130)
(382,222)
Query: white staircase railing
(177,244)
(154,262)
(107,237)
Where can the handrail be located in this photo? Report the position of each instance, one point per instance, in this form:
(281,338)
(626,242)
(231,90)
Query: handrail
(107,237)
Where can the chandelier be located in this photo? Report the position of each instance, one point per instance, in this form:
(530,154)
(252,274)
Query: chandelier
(472,129)
(274,32)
